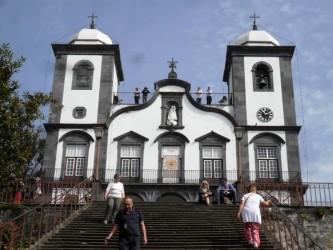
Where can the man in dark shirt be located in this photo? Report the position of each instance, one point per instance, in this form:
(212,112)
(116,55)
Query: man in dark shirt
(128,222)
(145,93)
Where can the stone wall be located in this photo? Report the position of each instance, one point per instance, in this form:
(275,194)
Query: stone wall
(317,221)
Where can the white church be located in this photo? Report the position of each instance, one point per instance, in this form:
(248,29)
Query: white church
(168,144)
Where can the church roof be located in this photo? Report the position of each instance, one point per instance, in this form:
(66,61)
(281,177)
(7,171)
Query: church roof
(256,38)
(90,36)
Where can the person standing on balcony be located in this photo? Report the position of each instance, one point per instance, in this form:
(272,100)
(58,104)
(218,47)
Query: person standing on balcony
(136,95)
(198,95)
(225,190)
(114,194)
(205,193)
(249,210)
(209,96)
(128,221)
(145,93)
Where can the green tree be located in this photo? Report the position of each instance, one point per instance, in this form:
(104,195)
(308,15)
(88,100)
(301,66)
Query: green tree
(18,115)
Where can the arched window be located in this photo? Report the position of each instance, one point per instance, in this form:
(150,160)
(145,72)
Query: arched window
(262,77)
(267,148)
(75,155)
(83,75)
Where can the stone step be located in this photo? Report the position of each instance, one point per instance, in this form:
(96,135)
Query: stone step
(176,226)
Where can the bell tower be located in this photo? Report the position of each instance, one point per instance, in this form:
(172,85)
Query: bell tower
(258,73)
(87,74)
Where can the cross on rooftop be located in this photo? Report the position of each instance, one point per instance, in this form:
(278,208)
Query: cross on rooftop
(254,21)
(92,25)
(172,64)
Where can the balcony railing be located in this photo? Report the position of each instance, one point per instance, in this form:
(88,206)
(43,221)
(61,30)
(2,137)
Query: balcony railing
(287,189)
(174,176)
(127,98)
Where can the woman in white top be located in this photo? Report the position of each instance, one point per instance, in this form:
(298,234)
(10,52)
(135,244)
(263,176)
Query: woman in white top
(249,209)
(114,194)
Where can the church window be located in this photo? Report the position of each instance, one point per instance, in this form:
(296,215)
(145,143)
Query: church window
(83,75)
(79,112)
(212,148)
(130,161)
(262,77)
(130,155)
(267,162)
(75,160)
(267,149)
(75,154)
(212,161)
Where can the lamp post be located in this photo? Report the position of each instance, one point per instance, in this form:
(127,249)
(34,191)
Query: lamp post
(239,135)
(99,131)
(95,194)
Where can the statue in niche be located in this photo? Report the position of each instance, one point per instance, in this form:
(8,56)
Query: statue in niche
(172,116)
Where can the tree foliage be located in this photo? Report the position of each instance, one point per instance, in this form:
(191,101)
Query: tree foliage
(18,115)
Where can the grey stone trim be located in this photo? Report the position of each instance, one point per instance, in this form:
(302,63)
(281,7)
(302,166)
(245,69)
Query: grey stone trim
(254,78)
(212,140)
(91,49)
(50,152)
(169,99)
(293,157)
(288,99)
(266,140)
(58,87)
(105,90)
(238,82)
(263,51)
(130,139)
(75,112)
(171,139)
(89,68)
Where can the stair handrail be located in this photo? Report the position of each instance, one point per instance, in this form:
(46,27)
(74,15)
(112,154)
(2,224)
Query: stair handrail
(32,226)
(284,233)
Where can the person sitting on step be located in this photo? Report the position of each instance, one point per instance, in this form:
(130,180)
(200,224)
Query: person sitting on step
(226,190)
(205,193)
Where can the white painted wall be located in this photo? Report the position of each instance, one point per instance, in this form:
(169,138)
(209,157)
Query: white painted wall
(257,100)
(146,122)
(78,98)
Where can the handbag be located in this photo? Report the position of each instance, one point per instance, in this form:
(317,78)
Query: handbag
(245,203)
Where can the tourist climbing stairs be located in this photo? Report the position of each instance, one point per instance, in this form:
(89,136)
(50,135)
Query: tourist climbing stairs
(169,226)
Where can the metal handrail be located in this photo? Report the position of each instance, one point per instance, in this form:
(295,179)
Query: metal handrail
(27,229)
(283,232)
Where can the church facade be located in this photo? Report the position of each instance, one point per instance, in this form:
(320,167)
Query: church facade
(172,140)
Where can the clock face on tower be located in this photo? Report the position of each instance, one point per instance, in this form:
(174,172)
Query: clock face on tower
(265,114)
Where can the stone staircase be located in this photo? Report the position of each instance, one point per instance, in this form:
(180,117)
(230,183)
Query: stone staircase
(169,226)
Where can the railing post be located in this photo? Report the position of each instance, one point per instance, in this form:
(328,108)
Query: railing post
(95,191)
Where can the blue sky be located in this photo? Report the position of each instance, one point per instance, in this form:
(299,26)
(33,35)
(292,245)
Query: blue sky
(196,34)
